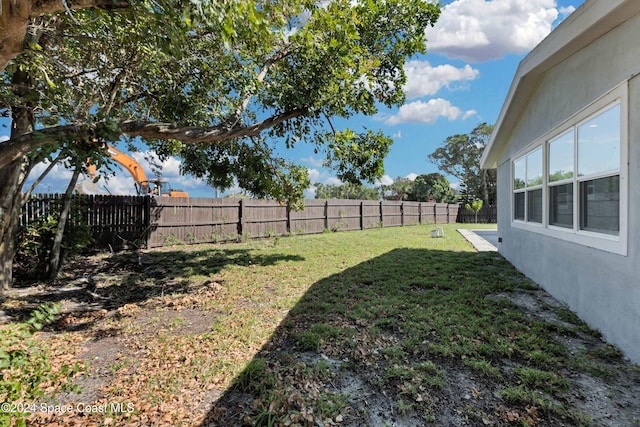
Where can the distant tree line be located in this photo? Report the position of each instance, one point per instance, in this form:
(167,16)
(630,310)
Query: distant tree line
(426,187)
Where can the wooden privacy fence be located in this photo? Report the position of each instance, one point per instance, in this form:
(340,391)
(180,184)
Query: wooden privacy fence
(487,215)
(158,221)
(111,219)
(218,220)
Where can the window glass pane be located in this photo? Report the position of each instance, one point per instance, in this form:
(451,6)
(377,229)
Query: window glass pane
(534,168)
(561,205)
(561,157)
(599,143)
(519,173)
(534,206)
(518,206)
(600,205)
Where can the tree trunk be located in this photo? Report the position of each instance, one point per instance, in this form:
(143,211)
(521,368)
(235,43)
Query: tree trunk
(12,177)
(55,260)
(11,201)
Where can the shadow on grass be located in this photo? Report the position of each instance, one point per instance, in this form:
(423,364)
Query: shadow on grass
(124,278)
(412,337)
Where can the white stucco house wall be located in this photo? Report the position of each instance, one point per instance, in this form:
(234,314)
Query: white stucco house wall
(567,149)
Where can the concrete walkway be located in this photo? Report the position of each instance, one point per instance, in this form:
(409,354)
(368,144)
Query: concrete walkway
(481,244)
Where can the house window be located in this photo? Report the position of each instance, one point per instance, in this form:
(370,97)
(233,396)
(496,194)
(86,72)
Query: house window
(599,172)
(572,184)
(600,205)
(560,177)
(527,184)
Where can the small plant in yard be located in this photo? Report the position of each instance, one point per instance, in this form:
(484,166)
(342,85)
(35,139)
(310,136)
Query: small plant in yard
(475,207)
(549,382)
(325,331)
(172,240)
(404,407)
(483,367)
(308,341)
(254,377)
(330,404)
(606,352)
(525,396)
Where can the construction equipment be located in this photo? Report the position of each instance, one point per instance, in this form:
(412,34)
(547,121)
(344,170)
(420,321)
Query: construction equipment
(144,186)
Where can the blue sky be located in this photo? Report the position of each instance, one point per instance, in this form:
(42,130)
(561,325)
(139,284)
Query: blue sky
(472,54)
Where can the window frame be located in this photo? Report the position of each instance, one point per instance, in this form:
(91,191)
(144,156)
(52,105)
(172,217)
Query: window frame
(528,189)
(616,243)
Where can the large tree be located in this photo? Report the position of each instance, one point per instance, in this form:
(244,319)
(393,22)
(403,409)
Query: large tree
(432,186)
(460,157)
(214,82)
(399,189)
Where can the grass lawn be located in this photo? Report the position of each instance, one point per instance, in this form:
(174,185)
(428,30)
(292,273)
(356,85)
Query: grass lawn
(382,327)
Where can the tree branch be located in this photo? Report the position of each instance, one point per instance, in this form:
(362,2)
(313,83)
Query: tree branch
(189,135)
(42,176)
(281,54)
(15,148)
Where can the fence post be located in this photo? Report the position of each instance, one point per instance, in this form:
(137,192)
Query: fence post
(242,219)
(402,214)
(326,214)
(361,215)
(288,219)
(381,215)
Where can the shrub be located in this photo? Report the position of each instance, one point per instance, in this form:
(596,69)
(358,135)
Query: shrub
(35,240)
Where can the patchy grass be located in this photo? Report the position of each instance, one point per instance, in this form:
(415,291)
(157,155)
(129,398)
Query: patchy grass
(386,326)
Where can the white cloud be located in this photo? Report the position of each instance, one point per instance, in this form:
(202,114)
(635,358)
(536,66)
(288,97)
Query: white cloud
(482,30)
(468,114)
(313,161)
(412,176)
(397,135)
(168,168)
(333,181)
(385,180)
(566,11)
(58,172)
(423,79)
(120,183)
(426,112)
(4,138)
(314,175)
(310,193)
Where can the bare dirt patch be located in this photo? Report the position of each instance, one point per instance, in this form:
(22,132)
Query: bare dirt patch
(608,389)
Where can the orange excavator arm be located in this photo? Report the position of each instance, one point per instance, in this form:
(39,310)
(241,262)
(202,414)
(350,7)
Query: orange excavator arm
(134,168)
(130,165)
